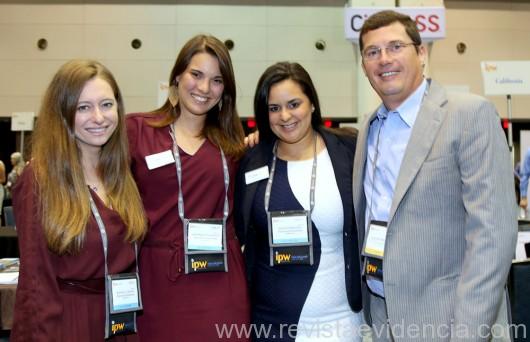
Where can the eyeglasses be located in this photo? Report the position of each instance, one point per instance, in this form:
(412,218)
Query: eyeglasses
(393,49)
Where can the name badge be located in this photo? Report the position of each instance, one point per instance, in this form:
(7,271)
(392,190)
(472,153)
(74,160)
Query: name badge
(289,229)
(290,237)
(124,294)
(205,246)
(205,236)
(159,159)
(256,175)
(374,243)
(123,301)
(373,267)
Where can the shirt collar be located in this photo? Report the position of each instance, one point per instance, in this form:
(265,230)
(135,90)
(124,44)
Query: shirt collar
(408,110)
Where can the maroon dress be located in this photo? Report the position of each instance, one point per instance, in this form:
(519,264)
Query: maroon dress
(61,298)
(179,306)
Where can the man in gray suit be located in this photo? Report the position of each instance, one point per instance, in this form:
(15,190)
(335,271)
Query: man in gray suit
(434,197)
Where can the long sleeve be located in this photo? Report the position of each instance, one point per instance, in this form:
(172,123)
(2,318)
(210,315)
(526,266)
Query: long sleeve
(490,223)
(38,307)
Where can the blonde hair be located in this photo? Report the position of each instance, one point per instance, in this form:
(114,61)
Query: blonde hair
(63,194)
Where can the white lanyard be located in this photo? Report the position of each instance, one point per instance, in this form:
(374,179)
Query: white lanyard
(313,177)
(178,164)
(376,155)
(103,232)
(104,240)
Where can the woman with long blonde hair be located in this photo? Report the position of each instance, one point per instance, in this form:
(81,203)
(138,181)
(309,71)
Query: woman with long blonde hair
(78,211)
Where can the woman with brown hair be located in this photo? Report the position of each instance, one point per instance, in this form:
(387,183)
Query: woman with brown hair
(184,160)
(78,212)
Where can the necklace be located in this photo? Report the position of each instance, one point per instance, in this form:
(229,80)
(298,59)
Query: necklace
(93,187)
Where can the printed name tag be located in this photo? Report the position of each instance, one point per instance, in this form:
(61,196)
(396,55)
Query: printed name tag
(374,244)
(205,236)
(124,293)
(159,159)
(290,242)
(289,229)
(257,175)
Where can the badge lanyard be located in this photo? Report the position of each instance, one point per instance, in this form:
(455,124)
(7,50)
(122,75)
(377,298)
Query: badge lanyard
(374,241)
(116,321)
(374,166)
(202,260)
(291,253)
(380,227)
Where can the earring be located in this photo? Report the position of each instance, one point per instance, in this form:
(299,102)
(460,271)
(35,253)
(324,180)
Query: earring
(312,109)
(173,96)
(220,104)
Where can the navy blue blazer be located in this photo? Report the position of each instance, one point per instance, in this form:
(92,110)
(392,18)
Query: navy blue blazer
(341,149)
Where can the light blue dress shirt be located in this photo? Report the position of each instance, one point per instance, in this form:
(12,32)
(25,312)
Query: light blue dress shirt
(387,141)
(525,173)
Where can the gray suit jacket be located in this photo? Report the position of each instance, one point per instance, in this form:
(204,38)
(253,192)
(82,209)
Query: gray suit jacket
(453,220)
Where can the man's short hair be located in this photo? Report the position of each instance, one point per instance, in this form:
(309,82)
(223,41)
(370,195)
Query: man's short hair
(388,17)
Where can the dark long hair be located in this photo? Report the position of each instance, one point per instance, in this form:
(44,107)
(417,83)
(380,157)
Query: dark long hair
(277,73)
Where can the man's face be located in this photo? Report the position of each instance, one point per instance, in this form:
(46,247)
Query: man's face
(394,75)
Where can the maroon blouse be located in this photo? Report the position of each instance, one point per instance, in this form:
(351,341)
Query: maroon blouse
(178,306)
(45,309)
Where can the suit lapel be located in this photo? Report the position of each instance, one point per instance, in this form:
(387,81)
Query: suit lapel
(261,159)
(423,134)
(334,150)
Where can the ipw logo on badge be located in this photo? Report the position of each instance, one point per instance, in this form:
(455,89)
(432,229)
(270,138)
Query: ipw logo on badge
(282,257)
(198,264)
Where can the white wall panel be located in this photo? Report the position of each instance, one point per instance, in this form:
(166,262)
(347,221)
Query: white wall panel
(305,16)
(247,76)
(245,106)
(26,77)
(420,3)
(263,34)
(520,44)
(25,103)
(336,106)
(520,105)
(221,15)
(481,45)
(451,74)
(332,79)
(19,42)
(248,40)
(136,104)
(372,3)
(114,41)
(141,77)
(298,43)
(38,14)
(481,18)
(130,14)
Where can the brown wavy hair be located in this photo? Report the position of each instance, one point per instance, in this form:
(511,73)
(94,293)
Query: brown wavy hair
(222,127)
(63,195)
